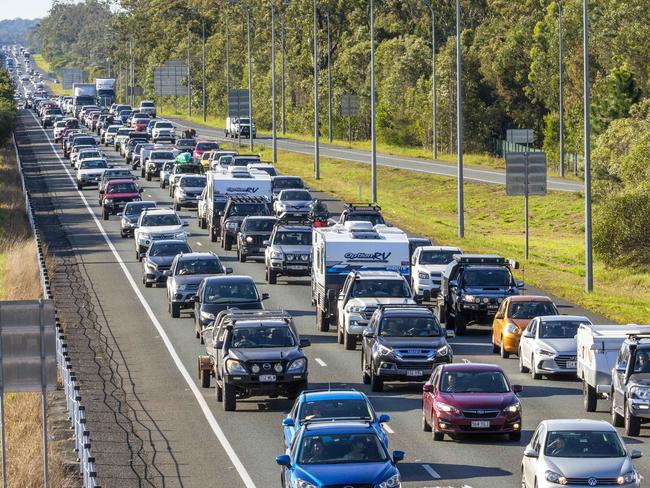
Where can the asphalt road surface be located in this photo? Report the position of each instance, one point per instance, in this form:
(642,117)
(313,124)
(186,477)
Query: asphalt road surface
(196,443)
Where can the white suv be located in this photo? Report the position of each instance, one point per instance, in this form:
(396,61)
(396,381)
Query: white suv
(428,263)
(156,224)
(163,130)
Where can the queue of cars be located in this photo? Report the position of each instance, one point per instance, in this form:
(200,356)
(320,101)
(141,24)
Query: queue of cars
(398,301)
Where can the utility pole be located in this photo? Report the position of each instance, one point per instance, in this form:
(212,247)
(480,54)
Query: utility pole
(329,77)
(316,130)
(561,64)
(250,78)
(282,83)
(227,60)
(589,271)
(273,115)
(434,91)
(203,69)
(373,135)
(189,73)
(459,123)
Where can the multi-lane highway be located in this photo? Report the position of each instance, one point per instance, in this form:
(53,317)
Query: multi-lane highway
(147,361)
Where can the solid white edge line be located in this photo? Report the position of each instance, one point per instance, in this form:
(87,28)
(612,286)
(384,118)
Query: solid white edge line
(387,428)
(321,362)
(221,437)
(199,244)
(432,472)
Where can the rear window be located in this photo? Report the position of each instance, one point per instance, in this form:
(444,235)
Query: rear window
(284,183)
(207,146)
(162,155)
(122,188)
(164,125)
(85,141)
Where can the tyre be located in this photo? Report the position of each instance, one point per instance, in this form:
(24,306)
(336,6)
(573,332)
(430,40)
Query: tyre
(229,398)
(502,351)
(495,348)
(177,207)
(176,310)
(80,186)
(589,397)
(272,278)
(522,368)
(122,234)
(617,420)
(227,242)
(205,378)
(322,322)
(148,284)
(148,177)
(339,335)
(376,383)
(137,256)
(515,436)
(142,172)
(632,424)
(242,257)
(533,369)
(163,184)
(425,425)
(219,393)
(364,371)
(213,234)
(460,325)
(349,342)
(437,436)
(105,213)
(203,223)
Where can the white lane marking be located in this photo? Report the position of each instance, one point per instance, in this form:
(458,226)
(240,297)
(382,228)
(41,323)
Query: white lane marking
(321,362)
(387,428)
(148,195)
(212,421)
(199,244)
(431,471)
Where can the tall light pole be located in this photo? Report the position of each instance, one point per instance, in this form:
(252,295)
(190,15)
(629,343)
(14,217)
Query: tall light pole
(316,141)
(282,84)
(250,77)
(459,125)
(329,77)
(373,135)
(227,60)
(434,91)
(589,271)
(273,115)
(189,73)
(561,87)
(203,69)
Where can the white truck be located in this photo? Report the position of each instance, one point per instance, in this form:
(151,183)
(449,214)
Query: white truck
(427,264)
(105,91)
(353,246)
(598,348)
(222,185)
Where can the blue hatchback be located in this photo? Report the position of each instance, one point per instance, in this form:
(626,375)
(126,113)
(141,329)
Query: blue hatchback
(334,405)
(339,453)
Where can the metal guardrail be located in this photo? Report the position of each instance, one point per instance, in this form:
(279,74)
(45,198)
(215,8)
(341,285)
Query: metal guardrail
(76,410)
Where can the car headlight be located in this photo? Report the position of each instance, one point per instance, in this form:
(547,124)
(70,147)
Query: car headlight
(423,276)
(297,366)
(180,235)
(443,407)
(144,235)
(303,484)
(249,239)
(151,265)
(544,352)
(383,350)
(207,315)
(182,288)
(444,350)
(235,367)
(628,477)
(469,298)
(512,328)
(392,482)
(231,226)
(277,255)
(356,309)
(514,408)
(554,477)
(639,393)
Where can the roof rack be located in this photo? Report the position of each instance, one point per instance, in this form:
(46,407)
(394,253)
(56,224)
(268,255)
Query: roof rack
(638,335)
(231,316)
(362,206)
(322,420)
(480,259)
(324,390)
(384,306)
(293,218)
(249,199)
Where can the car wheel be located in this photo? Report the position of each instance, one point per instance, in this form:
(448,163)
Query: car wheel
(533,369)
(504,354)
(205,378)
(213,234)
(437,436)
(142,172)
(162,183)
(105,214)
(376,383)
(589,397)
(197,329)
(339,334)
(137,255)
(322,322)
(272,278)
(148,284)
(123,234)
(148,178)
(522,368)
(515,436)
(495,348)
(349,342)
(364,370)
(80,186)
(176,310)
(227,243)
(632,424)
(425,425)
(460,325)
(219,393)
(242,256)
(229,397)
(617,420)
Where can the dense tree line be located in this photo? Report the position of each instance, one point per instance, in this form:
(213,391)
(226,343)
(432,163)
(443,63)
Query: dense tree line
(16,30)
(510,64)
(7,106)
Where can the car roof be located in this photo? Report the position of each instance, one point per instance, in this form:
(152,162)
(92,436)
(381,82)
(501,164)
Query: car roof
(438,248)
(578,425)
(261,323)
(339,427)
(562,318)
(260,217)
(115,182)
(316,396)
(294,227)
(419,310)
(231,278)
(530,298)
(472,367)
(168,241)
(199,255)
(366,275)
(161,211)
(143,203)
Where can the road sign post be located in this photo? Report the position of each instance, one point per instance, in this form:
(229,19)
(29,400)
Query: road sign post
(239,106)
(349,109)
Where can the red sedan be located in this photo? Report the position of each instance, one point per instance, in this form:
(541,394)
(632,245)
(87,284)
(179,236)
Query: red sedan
(470,399)
(203,146)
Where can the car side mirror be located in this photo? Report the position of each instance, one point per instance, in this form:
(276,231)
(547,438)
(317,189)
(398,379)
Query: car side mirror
(265,296)
(427,388)
(528,334)
(283,460)
(453,283)
(368,332)
(186,223)
(266,243)
(517,388)
(529,452)
(196,299)
(520,284)
(305,343)
(228,270)
(636,454)
(167,272)
(621,367)
(384,418)
(119,214)
(287,422)
(398,456)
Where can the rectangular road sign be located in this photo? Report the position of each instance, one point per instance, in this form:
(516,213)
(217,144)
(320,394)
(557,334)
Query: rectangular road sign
(27,340)
(170,79)
(520,136)
(70,76)
(238,103)
(349,105)
(516,173)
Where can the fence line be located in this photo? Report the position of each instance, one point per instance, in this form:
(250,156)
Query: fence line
(76,410)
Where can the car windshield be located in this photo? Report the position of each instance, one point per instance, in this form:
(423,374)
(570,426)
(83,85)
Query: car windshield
(248,209)
(238,161)
(93,164)
(295,195)
(373,218)
(583,444)
(244,121)
(147,104)
(342,449)
(122,188)
(474,382)
(437,257)
(85,141)
(410,327)
(192,182)
(284,183)
(333,409)
(259,225)
(90,154)
(199,266)
(377,288)
(136,208)
(226,160)
(487,278)
(564,329)
(160,220)
(231,292)
(529,310)
(186,143)
(207,146)
(265,336)
(642,361)
(162,155)
(287,238)
(168,248)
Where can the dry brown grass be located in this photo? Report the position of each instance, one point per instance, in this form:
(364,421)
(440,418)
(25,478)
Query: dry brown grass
(20,280)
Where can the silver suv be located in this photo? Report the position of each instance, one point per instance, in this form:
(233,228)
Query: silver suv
(288,251)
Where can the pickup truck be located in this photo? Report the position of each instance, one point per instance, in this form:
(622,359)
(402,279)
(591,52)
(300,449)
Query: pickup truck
(155,162)
(115,194)
(427,265)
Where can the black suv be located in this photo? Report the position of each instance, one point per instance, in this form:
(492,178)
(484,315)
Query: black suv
(252,234)
(364,212)
(472,288)
(630,393)
(402,343)
(237,208)
(254,354)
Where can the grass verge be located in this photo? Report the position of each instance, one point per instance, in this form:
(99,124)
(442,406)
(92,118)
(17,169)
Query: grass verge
(494,223)
(20,280)
(55,88)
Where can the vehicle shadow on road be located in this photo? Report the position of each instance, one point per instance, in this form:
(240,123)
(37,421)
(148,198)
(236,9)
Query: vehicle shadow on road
(465,471)
(534,391)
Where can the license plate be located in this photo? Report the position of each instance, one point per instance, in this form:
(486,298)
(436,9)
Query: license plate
(296,267)
(267,378)
(571,364)
(412,372)
(480,424)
